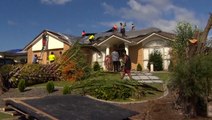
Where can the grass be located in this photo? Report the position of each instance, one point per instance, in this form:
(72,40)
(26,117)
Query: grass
(165,76)
(147,97)
(56,83)
(5,116)
(116,76)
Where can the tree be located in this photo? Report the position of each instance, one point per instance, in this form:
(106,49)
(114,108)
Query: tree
(73,63)
(156,59)
(191,74)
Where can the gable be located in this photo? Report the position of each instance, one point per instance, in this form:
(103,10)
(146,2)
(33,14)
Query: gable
(53,43)
(157,42)
(113,39)
(157,37)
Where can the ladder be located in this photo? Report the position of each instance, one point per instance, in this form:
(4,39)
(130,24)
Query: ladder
(44,43)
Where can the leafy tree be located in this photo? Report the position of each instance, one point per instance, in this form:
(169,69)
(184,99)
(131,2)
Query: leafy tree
(184,32)
(73,64)
(157,60)
(191,74)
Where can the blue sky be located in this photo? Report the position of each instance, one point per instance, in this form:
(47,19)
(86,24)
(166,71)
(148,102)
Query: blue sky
(22,20)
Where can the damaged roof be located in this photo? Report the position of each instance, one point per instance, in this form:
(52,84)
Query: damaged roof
(134,36)
(66,38)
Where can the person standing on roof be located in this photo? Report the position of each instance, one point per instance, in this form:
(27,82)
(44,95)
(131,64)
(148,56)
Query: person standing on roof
(115,28)
(52,57)
(133,27)
(83,33)
(91,38)
(123,29)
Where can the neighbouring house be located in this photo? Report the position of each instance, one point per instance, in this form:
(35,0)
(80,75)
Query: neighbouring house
(138,45)
(48,41)
(18,55)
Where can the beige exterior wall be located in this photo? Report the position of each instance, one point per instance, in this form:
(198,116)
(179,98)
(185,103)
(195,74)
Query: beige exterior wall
(29,55)
(88,55)
(66,47)
(54,45)
(43,59)
(136,55)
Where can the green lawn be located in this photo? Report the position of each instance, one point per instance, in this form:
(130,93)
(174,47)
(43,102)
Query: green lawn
(165,76)
(56,83)
(5,116)
(108,75)
(98,75)
(116,76)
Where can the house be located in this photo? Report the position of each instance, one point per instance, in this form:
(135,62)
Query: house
(138,45)
(18,55)
(53,42)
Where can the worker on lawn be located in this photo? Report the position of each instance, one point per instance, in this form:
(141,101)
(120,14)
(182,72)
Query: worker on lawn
(35,59)
(91,38)
(51,57)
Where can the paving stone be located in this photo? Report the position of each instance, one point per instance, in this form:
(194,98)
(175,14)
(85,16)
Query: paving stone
(209,110)
(144,77)
(154,77)
(150,81)
(126,77)
(148,74)
(133,74)
(157,81)
(136,77)
(140,74)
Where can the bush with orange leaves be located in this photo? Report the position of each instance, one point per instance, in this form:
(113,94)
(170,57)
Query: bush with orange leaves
(73,64)
(71,72)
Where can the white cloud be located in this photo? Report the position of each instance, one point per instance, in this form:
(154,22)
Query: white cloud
(165,25)
(58,2)
(154,13)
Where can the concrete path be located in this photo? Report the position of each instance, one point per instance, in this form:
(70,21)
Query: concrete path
(145,77)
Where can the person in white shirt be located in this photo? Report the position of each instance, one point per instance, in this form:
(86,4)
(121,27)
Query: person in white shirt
(115,59)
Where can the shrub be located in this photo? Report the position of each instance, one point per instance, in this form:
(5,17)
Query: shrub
(50,86)
(157,60)
(139,67)
(110,89)
(96,66)
(66,90)
(21,85)
(74,64)
(191,76)
(5,72)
